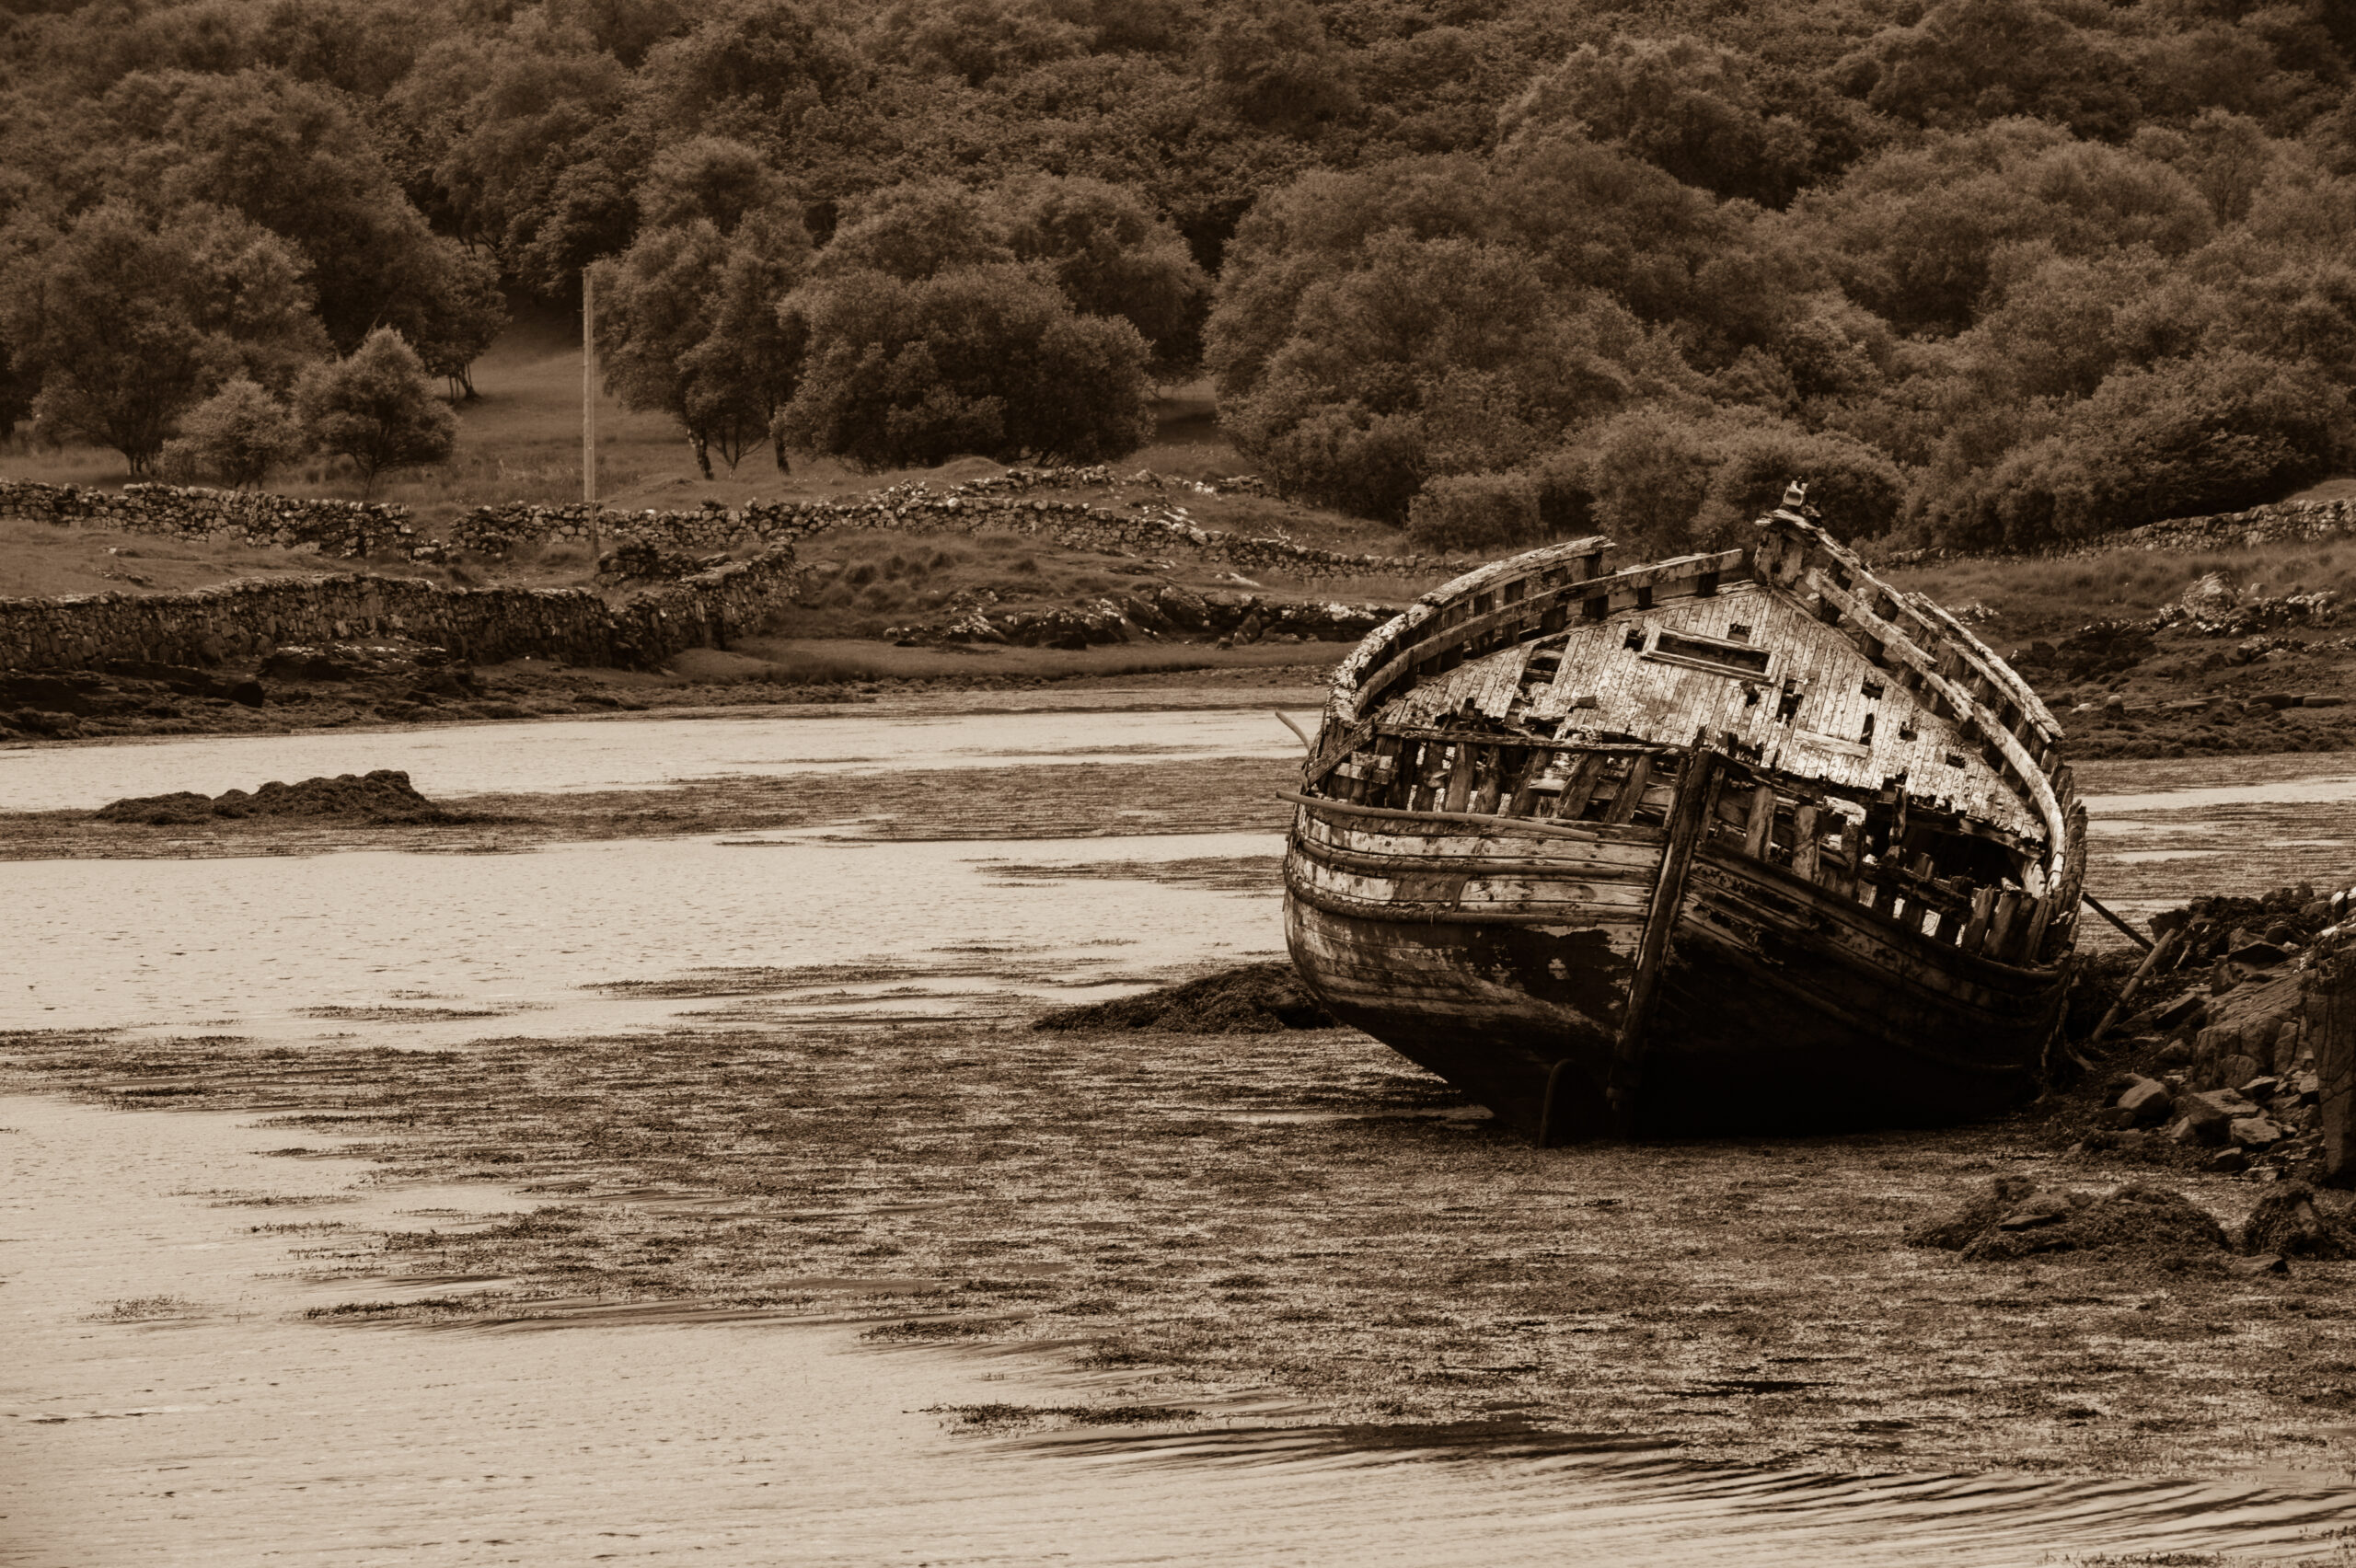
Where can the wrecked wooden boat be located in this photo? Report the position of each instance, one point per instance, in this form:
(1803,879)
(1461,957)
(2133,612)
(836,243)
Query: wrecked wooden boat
(1745,840)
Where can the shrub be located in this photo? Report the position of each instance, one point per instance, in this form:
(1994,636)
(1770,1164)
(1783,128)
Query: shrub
(1855,486)
(1649,471)
(1493,512)
(375,409)
(238,436)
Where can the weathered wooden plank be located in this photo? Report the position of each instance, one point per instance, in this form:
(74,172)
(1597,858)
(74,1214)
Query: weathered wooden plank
(1632,790)
(1807,845)
(1695,796)
(1761,820)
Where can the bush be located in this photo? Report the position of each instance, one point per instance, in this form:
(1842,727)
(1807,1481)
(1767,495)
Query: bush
(2182,438)
(238,436)
(1496,512)
(1855,486)
(375,409)
(1649,471)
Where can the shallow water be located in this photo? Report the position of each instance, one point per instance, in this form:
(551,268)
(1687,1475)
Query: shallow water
(520,941)
(232,1429)
(168,1405)
(638,753)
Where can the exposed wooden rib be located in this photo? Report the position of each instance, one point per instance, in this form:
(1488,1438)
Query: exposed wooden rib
(1696,795)
(1631,790)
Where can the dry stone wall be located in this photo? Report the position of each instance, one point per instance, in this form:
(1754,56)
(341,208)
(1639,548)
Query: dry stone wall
(340,529)
(1003,503)
(244,621)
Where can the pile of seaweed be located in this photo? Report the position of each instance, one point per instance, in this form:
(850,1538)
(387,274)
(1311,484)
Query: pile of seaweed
(384,796)
(1252,999)
(2139,1226)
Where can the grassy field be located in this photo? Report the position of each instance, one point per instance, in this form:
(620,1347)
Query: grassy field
(520,440)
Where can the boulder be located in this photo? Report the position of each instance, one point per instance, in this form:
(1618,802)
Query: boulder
(2147,1102)
(2237,1069)
(2208,1117)
(2252,1132)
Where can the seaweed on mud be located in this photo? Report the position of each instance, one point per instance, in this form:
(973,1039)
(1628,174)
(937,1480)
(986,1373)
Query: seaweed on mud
(2134,1224)
(1252,999)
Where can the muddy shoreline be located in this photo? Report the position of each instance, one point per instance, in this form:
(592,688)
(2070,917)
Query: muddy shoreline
(1303,1215)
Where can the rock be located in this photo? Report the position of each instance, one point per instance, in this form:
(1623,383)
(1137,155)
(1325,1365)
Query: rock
(2237,1069)
(2043,1207)
(2252,1132)
(2208,1116)
(2264,1263)
(2147,1103)
(2184,1011)
(248,693)
(2228,1162)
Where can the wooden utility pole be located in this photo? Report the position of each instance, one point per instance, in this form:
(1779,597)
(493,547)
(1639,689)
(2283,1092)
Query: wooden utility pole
(589,411)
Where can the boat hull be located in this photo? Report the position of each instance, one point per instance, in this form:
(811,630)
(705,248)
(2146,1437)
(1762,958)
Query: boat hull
(1780,1006)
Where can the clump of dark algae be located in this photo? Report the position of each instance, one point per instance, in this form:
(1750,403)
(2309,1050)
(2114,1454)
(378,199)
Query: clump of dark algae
(1251,999)
(2132,1224)
(384,797)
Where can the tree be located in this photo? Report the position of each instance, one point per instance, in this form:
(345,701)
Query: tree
(375,409)
(1686,106)
(987,359)
(1112,256)
(687,326)
(293,157)
(654,306)
(1273,65)
(127,321)
(241,434)
(706,177)
(453,313)
(914,230)
(740,377)
(1648,471)
(1432,357)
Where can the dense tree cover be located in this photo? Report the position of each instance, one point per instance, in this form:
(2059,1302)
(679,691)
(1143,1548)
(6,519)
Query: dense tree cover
(1990,271)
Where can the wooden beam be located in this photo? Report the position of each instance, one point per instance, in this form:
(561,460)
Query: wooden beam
(1696,796)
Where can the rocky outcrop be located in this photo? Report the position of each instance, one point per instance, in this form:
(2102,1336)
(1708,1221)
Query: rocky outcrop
(249,621)
(341,529)
(2215,607)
